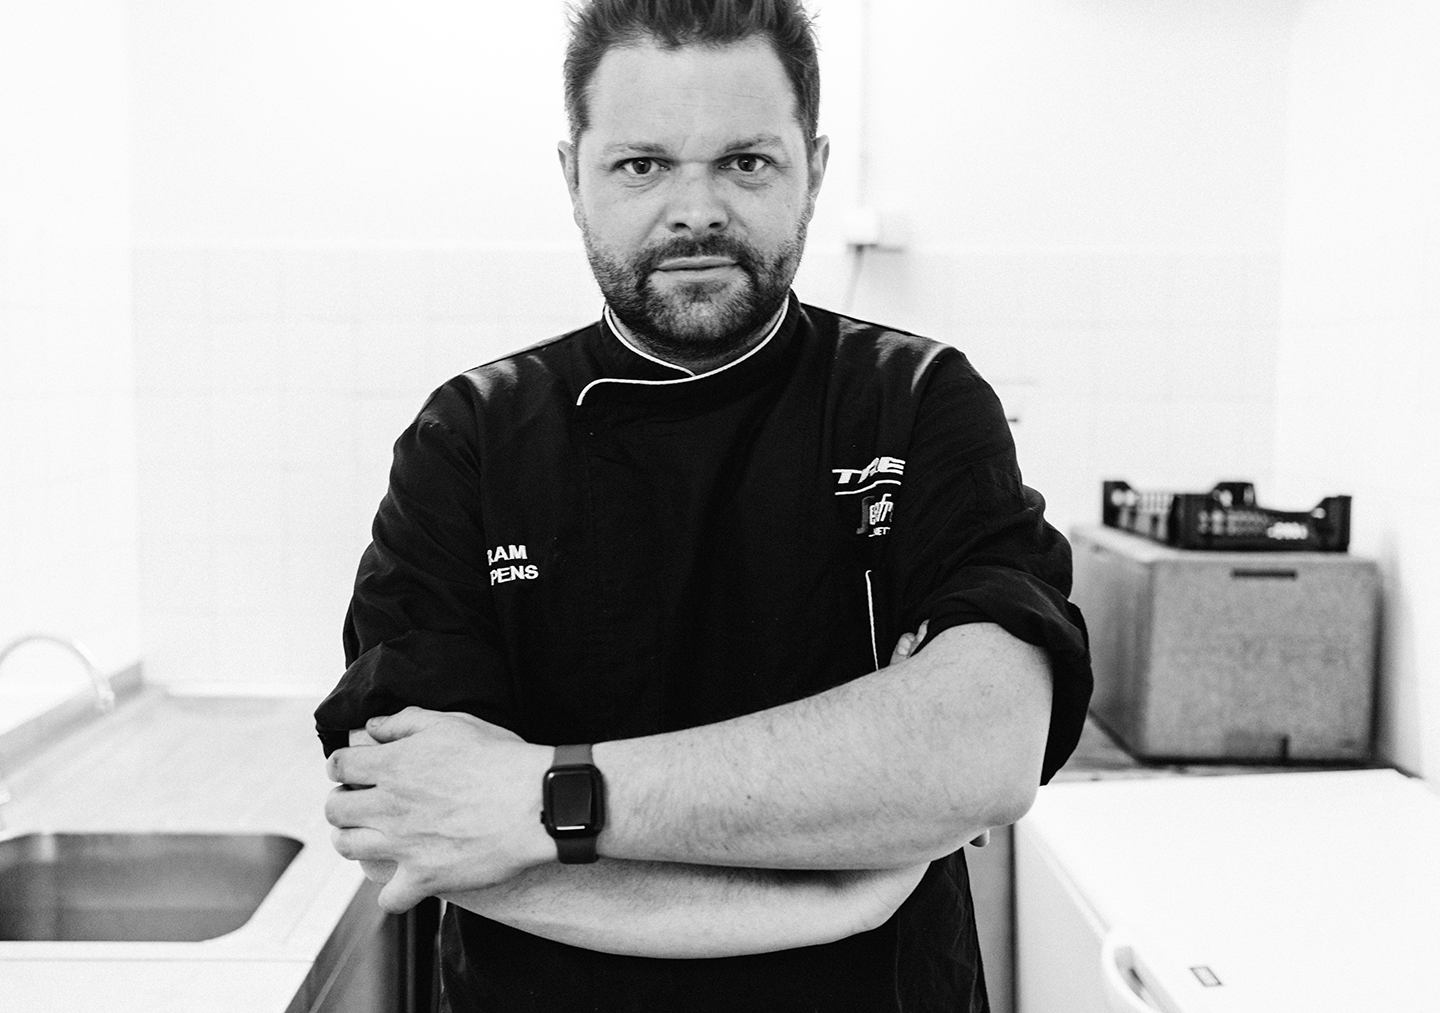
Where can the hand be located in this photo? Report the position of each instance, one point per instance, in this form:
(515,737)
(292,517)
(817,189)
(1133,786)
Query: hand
(452,802)
(876,894)
(905,647)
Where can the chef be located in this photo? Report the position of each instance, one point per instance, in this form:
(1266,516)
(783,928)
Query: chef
(693,644)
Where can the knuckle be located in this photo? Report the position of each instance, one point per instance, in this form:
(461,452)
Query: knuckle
(378,870)
(332,805)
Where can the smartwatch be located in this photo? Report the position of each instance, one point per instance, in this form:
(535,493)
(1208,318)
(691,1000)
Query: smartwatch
(573,804)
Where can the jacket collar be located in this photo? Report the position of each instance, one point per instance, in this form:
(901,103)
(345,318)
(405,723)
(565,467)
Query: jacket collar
(628,373)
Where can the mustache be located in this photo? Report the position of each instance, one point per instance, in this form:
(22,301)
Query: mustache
(702,246)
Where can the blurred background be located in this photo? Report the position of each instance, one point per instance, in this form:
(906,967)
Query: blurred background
(240,242)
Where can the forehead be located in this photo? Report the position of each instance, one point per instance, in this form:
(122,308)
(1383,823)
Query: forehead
(643,93)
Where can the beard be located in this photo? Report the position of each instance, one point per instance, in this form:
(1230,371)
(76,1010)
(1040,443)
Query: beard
(705,319)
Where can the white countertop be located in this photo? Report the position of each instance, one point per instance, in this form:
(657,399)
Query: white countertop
(187,764)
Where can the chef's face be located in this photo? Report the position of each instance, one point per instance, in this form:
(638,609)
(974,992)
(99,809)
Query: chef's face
(693,185)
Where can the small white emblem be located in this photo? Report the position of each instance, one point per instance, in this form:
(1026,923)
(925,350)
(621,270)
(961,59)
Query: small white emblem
(875,513)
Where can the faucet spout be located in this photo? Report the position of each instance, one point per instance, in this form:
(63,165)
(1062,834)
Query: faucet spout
(104,694)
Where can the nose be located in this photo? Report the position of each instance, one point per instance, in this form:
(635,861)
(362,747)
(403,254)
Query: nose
(696,207)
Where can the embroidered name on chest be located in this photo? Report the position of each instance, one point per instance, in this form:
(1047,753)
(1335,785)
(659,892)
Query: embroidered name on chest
(509,553)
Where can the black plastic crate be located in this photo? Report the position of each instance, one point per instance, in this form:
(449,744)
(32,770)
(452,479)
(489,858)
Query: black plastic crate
(1226,517)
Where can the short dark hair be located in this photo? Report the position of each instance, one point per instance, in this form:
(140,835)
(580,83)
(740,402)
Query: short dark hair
(598,25)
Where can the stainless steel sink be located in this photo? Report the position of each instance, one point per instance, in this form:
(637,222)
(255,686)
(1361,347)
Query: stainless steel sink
(133,887)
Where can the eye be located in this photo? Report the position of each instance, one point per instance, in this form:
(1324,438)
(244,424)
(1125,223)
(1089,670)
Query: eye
(640,166)
(746,164)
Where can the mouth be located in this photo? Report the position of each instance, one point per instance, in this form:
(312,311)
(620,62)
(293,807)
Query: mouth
(695,264)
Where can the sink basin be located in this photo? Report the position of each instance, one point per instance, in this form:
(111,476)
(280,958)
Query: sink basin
(134,887)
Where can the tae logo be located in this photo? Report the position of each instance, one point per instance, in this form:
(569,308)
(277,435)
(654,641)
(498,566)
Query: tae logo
(879,466)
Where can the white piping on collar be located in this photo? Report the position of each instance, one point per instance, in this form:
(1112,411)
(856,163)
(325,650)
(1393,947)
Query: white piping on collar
(619,329)
(779,322)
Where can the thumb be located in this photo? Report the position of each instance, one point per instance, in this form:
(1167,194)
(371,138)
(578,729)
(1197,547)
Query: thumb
(907,643)
(398,726)
(902,648)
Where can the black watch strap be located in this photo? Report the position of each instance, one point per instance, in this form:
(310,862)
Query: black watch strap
(572,756)
(575,850)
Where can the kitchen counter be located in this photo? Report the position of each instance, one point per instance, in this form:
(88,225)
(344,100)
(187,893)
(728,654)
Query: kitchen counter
(192,764)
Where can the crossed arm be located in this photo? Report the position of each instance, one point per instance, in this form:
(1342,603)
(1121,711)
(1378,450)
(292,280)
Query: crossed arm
(795,825)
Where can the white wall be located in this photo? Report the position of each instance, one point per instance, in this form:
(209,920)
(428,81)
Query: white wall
(67,439)
(1093,192)
(272,383)
(323,122)
(1359,346)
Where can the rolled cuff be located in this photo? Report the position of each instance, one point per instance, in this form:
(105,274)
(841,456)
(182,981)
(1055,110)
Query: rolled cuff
(1033,611)
(436,671)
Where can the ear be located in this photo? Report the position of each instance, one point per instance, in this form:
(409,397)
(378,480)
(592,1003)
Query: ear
(819,159)
(570,166)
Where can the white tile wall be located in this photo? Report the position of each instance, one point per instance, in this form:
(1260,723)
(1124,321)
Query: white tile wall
(67,457)
(272,385)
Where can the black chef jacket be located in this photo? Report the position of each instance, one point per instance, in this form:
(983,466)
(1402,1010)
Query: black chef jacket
(582,543)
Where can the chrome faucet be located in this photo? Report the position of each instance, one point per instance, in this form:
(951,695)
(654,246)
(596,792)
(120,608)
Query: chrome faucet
(104,694)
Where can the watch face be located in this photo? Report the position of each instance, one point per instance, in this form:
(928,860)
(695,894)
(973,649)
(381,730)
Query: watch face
(571,802)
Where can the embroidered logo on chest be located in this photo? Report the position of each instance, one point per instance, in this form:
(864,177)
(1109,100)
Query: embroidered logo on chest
(877,508)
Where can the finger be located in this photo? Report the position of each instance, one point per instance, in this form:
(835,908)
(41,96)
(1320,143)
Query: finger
(401,893)
(349,766)
(378,870)
(360,737)
(397,726)
(361,844)
(347,807)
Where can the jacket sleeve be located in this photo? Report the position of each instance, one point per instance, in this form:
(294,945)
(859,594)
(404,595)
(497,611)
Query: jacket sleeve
(972,544)
(421,627)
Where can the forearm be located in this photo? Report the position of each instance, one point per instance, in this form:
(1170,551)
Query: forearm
(654,909)
(890,770)
(897,767)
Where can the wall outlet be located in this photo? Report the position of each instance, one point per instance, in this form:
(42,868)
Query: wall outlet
(871,228)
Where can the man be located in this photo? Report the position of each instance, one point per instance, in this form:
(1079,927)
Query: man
(687,536)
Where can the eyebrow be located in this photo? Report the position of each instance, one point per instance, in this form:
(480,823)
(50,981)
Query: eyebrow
(651,148)
(633,147)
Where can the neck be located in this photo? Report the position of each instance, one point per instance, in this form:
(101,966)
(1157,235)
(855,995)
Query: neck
(697,362)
